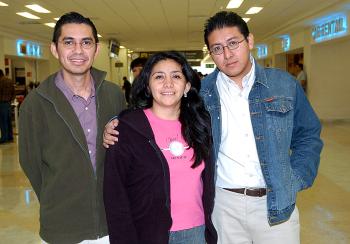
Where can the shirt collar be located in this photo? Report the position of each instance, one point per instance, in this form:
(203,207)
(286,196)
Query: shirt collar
(248,79)
(61,84)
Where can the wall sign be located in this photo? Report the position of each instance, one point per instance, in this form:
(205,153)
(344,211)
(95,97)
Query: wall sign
(285,42)
(330,28)
(261,51)
(28,48)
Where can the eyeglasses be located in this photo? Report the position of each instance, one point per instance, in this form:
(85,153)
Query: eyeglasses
(219,49)
(70,44)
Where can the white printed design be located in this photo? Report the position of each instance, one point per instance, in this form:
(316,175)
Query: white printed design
(176,148)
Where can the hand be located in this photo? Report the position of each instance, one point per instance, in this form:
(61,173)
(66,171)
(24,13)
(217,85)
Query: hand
(110,135)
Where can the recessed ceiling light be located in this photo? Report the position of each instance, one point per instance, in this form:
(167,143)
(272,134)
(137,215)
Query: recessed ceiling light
(52,25)
(28,15)
(254,10)
(2,4)
(37,8)
(246,19)
(56,19)
(234,4)
(98,35)
(122,47)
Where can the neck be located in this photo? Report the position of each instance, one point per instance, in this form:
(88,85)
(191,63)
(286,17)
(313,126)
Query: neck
(166,113)
(79,84)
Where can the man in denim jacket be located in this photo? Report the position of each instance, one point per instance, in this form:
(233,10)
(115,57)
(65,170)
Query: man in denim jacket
(266,139)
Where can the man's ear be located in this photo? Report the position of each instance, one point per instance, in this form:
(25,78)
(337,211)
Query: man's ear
(97,49)
(250,41)
(53,49)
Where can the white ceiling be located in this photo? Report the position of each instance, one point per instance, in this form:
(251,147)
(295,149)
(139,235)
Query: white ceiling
(150,25)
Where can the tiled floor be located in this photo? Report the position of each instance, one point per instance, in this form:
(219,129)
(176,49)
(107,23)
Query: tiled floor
(324,209)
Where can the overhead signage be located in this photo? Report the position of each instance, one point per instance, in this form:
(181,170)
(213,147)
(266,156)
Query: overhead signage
(261,51)
(330,28)
(28,48)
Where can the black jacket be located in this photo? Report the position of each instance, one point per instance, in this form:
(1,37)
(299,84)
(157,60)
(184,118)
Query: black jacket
(137,186)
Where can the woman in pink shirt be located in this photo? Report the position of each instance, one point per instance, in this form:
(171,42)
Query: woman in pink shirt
(159,177)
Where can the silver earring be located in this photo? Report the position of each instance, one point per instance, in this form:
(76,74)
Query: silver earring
(185,94)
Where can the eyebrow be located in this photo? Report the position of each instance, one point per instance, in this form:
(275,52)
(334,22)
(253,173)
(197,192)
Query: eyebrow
(162,72)
(230,39)
(72,38)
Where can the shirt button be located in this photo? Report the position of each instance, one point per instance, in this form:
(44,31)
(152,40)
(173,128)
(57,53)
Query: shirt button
(86,108)
(89,151)
(88,130)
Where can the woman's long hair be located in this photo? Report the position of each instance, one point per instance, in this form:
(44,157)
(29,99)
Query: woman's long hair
(194,118)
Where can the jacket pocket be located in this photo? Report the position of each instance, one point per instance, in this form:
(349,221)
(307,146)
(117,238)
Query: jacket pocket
(278,105)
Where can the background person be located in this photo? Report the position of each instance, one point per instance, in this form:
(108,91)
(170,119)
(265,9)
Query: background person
(301,75)
(7,94)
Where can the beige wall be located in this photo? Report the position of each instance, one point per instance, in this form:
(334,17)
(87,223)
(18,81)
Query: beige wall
(329,80)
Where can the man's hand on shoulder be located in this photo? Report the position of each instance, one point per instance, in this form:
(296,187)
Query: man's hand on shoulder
(110,134)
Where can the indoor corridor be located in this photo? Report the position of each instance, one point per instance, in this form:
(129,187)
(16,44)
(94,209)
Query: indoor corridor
(324,209)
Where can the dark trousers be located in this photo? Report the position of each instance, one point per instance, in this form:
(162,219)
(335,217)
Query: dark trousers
(5,122)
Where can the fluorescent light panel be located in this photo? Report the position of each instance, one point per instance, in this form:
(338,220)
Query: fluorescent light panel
(51,24)
(234,4)
(37,8)
(28,15)
(2,4)
(254,10)
(246,19)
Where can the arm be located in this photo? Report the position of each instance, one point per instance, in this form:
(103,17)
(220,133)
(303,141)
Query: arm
(29,148)
(119,219)
(306,144)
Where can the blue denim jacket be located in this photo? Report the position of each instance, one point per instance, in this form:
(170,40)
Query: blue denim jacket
(287,135)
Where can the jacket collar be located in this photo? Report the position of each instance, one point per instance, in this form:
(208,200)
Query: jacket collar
(49,91)
(260,77)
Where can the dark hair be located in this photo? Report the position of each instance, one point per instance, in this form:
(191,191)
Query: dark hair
(194,118)
(301,66)
(225,19)
(138,62)
(72,18)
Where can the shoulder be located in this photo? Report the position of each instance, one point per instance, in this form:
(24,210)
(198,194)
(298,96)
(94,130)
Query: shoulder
(209,80)
(136,120)
(110,87)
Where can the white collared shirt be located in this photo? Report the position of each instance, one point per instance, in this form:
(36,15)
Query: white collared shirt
(238,162)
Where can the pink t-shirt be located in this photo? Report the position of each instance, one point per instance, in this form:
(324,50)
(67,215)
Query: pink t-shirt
(186,186)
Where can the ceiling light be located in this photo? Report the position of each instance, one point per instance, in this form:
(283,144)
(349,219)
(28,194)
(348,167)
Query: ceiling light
(246,19)
(99,36)
(56,19)
(254,10)
(52,25)
(122,47)
(28,15)
(37,8)
(2,4)
(234,4)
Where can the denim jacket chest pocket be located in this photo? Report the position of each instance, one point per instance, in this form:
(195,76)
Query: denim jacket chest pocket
(279,113)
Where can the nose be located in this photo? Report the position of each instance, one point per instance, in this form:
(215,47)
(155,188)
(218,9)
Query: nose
(227,52)
(78,47)
(168,81)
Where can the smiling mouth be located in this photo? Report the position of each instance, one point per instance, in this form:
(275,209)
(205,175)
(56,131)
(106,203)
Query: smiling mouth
(167,93)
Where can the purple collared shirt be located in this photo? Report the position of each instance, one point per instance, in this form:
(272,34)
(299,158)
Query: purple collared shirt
(86,112)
